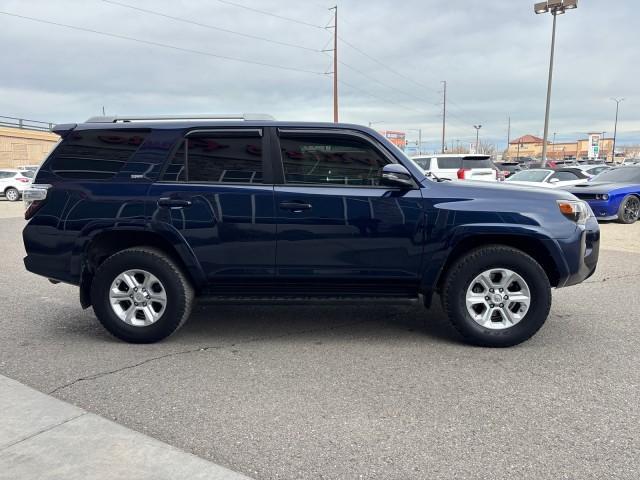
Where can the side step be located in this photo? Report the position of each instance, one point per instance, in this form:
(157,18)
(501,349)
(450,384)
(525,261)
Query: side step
(307,300)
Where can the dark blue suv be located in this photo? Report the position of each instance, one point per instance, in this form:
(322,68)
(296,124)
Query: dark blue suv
(147,214)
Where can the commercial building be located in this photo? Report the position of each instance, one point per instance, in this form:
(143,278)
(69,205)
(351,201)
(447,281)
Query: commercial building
(23,146)
(397,138)
(591,147)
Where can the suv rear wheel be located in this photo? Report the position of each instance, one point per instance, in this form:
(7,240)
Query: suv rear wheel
(140,295)
(496,296)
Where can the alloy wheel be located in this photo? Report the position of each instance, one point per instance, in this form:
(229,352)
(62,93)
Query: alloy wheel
(137,297)
(498,298)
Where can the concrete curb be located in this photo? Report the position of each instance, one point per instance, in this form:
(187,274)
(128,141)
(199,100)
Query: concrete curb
(43,438)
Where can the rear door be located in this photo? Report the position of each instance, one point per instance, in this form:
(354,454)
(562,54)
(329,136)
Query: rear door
(339,230)
(214,194)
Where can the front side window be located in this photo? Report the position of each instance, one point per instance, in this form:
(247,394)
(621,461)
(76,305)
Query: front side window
(330,159)
(95,154)
(217,157)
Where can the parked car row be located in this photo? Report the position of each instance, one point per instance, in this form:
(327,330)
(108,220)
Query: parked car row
(613,192)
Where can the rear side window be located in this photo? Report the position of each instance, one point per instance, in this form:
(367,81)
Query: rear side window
(95,154)
(218,157)
(450,162)
(7,174)
(477,163)
(330,159)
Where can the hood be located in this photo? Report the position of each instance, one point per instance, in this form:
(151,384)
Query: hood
(599,187)
(506,191)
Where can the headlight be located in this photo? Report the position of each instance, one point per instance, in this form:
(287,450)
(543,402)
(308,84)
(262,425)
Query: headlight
(575,210)
(602,196)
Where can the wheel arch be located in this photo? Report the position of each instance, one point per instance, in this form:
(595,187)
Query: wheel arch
(532,246)
(105,243)
(539,248)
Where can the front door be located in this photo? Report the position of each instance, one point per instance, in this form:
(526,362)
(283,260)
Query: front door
(339,229)
(212,194)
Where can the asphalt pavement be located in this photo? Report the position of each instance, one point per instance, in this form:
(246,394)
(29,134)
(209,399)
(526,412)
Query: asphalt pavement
(371,392)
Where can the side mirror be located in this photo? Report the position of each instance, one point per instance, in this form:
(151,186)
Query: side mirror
(396,175)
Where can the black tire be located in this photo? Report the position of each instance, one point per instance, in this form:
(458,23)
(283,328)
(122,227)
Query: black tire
(629,210)
(463,272)
(179,294)
(12,194)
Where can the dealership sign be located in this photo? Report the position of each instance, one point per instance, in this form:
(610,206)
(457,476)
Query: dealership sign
(594,145)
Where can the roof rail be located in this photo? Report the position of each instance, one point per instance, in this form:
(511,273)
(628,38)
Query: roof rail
(154,118)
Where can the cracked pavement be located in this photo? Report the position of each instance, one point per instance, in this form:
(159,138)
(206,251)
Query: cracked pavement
(351,391)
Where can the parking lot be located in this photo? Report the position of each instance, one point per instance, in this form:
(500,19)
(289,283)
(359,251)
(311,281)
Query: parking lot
(352,392)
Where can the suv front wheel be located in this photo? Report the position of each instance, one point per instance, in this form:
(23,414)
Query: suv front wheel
(496,296)
(140,295)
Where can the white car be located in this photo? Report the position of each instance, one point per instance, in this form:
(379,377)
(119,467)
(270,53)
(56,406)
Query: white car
(14,182)
(549,178)
(458,166)
(592,170)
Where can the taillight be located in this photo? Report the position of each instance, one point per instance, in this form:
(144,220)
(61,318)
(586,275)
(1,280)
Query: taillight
(23,179)
(34,198)
(462,173)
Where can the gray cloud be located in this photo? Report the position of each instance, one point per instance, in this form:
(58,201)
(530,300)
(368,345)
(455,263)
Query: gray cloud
(493,54)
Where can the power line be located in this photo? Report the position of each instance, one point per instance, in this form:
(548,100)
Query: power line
(263,12)
(364,74)
(211,27)
(163,45)
(382,64)
(353,87)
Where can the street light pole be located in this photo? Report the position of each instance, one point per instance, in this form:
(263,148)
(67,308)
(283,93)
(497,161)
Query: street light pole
(615,128)
(555,7)
(477,127)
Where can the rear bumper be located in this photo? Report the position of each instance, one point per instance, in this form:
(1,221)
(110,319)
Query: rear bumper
(581,253)
(50,266)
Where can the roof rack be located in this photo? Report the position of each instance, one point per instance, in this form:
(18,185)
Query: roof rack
(160,118)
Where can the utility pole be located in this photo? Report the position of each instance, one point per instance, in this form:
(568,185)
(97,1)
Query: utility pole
(477,127)
(615,128)
(335,64)
(444,114)
(508,132)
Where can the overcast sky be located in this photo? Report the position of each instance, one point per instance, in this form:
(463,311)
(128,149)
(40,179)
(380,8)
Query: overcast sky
(493,54)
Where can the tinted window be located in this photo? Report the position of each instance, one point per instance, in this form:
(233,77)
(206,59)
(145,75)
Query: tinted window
(565,176)
(529,176)
(95,154)
(337,160)
(7,174)
(218,157)
(624,174)
(451,162)
(27,173)
(480,162)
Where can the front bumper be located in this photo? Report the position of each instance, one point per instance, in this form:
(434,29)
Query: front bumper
(581,252)
(604,209)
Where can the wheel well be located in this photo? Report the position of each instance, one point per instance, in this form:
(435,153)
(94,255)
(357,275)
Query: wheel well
(106,244)
(531,246)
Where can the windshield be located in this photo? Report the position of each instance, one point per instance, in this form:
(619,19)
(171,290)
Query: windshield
(625,175)
(529,176)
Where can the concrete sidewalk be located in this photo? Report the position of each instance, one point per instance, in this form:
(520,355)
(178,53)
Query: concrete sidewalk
(44,438)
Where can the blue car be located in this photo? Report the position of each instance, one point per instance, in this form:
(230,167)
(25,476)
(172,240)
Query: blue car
(613,195)
(146,215)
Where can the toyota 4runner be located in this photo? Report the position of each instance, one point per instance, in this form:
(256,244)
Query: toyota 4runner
(148,214)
